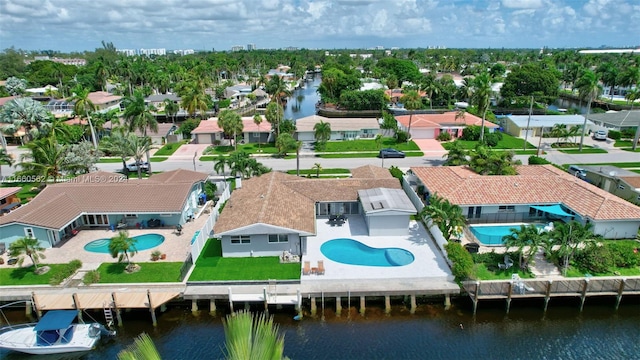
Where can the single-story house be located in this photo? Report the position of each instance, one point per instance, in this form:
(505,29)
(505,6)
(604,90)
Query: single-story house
(536,193)
(105,101)
(41,91)
(616,120)
(395,95)
(517,125)
(620,182)
(157,100)
(276,212)
(237,91)
(341,128)
(208,132)
(166,133)
(429,126)
(104,200)
(9,199)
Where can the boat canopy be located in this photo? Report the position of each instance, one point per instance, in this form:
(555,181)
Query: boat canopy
(553,209)
(56,320)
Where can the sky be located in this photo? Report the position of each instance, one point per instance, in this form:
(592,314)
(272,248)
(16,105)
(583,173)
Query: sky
(79,25)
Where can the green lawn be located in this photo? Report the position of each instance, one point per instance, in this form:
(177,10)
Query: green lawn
(620,164)
(585,150)
(507,142)
(109,160)
(365,155)
(623,143)
(251,148)
(169,149)
(368,145)
(322,172)
(26,192)
(212,266)
(158,158)
(150,272)
(484,273)
(25,275)
(575,272)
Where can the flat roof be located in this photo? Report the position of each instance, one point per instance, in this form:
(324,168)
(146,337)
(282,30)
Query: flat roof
(618,118)
(547,120)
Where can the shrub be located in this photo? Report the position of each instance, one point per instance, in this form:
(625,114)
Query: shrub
(625,254)
(444,136)
(597,259)
(188,126)
(402,136)
(91,277)
(628,133)
(472,133)
(614,134)
(492,139)
(536,160)
(65,272)
(395,172)
(461,259)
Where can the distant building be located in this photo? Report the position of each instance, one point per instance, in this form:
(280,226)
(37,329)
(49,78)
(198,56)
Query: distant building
(251,47)
(148,52)
(184,52)
(74,61)
(127,52)
(291,48)
(237,48)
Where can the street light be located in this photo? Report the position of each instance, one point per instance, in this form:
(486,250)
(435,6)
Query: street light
(194,160)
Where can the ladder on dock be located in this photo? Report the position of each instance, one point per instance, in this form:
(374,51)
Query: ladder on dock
(108,315)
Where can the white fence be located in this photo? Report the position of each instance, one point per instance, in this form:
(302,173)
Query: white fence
(201,236)
(415,199)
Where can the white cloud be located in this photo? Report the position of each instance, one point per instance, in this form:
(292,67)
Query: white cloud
(522,4)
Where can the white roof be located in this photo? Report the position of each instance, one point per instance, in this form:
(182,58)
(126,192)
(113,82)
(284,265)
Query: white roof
(41,90)
(385,199)
(306,124)
(547,120)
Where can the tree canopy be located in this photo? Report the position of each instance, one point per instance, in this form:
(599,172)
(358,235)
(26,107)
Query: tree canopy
(531,79)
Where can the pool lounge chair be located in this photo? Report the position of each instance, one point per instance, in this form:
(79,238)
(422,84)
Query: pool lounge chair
(320,267)
(306,270)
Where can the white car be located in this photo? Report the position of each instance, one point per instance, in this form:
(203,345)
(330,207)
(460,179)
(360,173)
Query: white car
(133,167)
(600,135)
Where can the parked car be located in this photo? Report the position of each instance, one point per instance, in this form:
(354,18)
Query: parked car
(390,153)
(133,167)
(600,135)
(577,171)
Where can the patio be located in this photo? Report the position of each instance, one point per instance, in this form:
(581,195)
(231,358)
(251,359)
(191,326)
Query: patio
(428,264)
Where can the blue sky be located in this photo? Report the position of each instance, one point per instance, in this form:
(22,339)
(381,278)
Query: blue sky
(78,25)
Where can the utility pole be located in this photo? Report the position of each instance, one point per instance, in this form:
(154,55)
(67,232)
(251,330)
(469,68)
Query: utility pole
(526,132)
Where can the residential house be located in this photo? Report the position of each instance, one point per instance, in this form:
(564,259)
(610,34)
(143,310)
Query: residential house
(157,100)
(104,200)
(41,91)
(341,128)
(517,125)
(276,212)
(617,120)
(620,182)
(166,133)
(9,199)
(429,126)
(536,193)
(209,132)
(105,101)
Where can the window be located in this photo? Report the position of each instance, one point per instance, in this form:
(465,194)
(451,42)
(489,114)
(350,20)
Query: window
(241,239)
(478,211)
(621,186)
(470,212)
(28,232)
(506,208)
(256,135)
(278,238)
(131,215)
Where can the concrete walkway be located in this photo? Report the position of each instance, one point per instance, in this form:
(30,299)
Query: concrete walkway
(542,268)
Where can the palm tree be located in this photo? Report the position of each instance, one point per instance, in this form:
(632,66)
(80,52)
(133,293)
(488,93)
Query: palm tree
(24,113)
(318,168)
(257,119)
(140,116)
(45,159)
(447,216)
(231,124)
(121,246)
(322,133)
(274,115)
(432,89)
(482,92)
(27,246)
(171,109)
(83,106)
(589,90)
(248,337)
(195,100)
(5,158)
(530,237)
(461,114)
(412,101)
(238,161)
(278,90)
(140,146)
(219,164)
(119,144)
(570,238)
(457,155)
(142,348)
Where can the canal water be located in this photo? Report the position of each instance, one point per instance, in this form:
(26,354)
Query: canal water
(599,332)
(303,101)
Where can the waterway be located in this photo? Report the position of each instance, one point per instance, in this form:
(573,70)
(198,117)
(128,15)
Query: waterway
(303,101)
(599,332)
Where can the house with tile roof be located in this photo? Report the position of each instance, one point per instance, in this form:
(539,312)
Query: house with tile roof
(341,128)
(276,212)
(620,182)
(209,132)
(104,200)
(429,126)
(536,193)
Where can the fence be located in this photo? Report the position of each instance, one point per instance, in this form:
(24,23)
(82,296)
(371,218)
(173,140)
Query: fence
(201,236)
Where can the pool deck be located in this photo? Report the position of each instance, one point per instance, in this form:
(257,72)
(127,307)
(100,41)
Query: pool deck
(429,271)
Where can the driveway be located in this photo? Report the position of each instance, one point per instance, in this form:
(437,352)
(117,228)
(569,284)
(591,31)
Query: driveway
(187,151)
(430,147)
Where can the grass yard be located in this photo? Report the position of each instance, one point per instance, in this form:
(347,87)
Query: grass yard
(368,145)
(322,172)
(158,158)
(620,164)
(507,142)
(251,148)
(211,266)
(585,150)
(150,272)
(365,155)
(26,276)
(27,191)
(109,160)
(484,273)
(169,149)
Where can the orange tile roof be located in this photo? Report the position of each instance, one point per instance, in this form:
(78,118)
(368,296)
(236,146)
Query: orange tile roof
(440,120)
(103,193)
(288,201)
(632,181)
(211,126)
(8,191)
(534,184)
(102,97)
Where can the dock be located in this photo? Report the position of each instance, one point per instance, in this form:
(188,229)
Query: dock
(582,288)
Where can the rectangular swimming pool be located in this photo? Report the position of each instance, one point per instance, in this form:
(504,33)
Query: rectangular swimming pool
(492,234)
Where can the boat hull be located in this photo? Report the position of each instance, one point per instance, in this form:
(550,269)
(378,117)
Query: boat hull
(25,340)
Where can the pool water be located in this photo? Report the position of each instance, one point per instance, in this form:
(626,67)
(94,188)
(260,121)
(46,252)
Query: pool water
(351,252)
(144,242)
(491,235)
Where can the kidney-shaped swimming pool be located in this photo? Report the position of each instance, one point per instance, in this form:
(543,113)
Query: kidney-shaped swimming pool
(349,251)
(143,242)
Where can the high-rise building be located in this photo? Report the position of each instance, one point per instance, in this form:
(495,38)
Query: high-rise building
(127,52)
(237,48)
(153,52)
(251,47)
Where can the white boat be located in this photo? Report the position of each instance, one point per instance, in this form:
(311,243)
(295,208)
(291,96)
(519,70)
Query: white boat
(55,333)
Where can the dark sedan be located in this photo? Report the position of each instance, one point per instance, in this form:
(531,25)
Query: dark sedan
(390,153)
